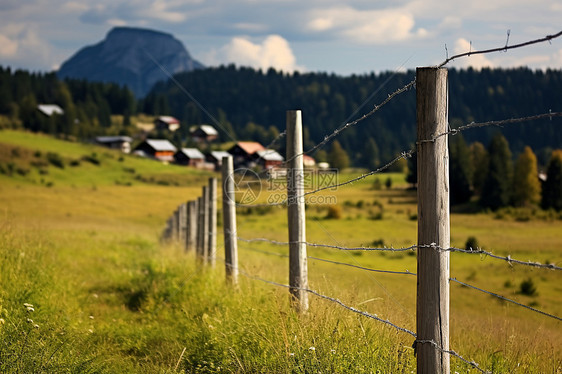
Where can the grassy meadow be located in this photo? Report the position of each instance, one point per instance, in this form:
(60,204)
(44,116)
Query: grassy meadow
(86,286)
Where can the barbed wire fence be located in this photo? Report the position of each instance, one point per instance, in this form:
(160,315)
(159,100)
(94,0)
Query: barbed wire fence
(433,351)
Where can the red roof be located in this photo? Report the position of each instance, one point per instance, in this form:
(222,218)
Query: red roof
(251,147)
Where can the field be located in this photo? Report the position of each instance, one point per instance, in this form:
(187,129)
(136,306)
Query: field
(86,286)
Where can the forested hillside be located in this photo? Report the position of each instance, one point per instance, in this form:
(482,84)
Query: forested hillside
(248,102)
(87,106)
(251,105)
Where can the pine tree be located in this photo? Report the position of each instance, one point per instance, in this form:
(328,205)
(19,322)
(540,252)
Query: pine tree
(370,157)
(479,161)
(337,157)
(552,187)
(496,192)
(526,185)
(460,172)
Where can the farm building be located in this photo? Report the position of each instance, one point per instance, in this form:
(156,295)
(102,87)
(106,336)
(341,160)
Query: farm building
(168,123)
(203,133)
(190,157)
(215,157)
(159,149)
(50,109)
(123,143)
(268,158)
(243,153)
(308,162)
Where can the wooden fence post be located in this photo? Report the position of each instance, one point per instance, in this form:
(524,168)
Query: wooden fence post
(182,215)
(298,273)
(229,220)
(176,224)
(191,235)
(432,310)
(200,206)
(212,241)
(204,222)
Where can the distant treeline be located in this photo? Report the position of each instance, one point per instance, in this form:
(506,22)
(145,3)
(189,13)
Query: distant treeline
(87,106)
(250,104)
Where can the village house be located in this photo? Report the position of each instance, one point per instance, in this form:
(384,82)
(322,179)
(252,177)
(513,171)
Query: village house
(269,159)
(215,158)
(308,162)
(159,149)
(122,143)
(50,109)
(243,153)
(203,133)
(189,157)
(167,123)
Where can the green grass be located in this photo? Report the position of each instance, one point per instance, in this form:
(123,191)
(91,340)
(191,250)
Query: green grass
(109,298)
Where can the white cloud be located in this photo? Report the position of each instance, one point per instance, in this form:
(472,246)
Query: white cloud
(366,26)
(274,52)
(9,47)
(476,61)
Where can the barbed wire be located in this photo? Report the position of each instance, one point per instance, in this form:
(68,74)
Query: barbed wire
(472,125)
(406,272)
(345,126)
(452,353)
(507,258)
(364,314)
(404,155)
(500,49)
(506,299)
(412,248)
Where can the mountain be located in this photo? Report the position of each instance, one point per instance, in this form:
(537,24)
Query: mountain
(130,56)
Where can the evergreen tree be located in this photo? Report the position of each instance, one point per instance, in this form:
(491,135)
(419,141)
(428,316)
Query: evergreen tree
(412,175)
(337,157)
(460,171)
(370,157)
(496,192)
(526,185)
(552,187)
(479,161)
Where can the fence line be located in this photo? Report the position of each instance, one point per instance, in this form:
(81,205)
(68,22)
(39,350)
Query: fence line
(413,248)
(368,315)
(506,299)
(406,272)
(509,121)
(500,49)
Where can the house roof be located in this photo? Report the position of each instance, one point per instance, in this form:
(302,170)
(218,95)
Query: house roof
(270,155)
(161,145)
(207,129)
(250,147)
(168,119)
(192,153)
(50,109)
(218,155)
(114,139)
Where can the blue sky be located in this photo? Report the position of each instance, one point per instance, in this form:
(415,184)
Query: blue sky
(342,37)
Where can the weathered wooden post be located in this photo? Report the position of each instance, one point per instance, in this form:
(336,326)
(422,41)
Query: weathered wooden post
(432,314)
(182,216)
(298,272)
(212,241)
(176,226)
(191,235)
(204,222)
(200,250)
(229,221)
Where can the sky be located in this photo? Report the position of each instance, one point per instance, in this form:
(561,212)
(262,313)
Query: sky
(343,37)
